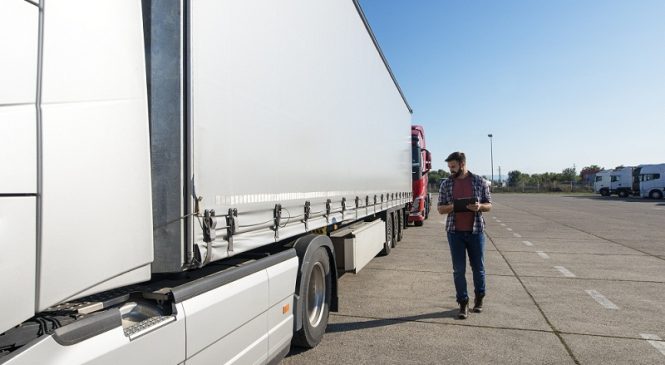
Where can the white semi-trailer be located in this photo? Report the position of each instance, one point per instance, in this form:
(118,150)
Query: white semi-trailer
(183,181)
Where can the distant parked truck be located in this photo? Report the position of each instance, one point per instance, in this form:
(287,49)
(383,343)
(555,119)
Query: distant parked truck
(421,164)
(652,181)
(601,184)
(619,181)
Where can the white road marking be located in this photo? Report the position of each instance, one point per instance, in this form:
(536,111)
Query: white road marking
(543,255)
(503,224)
(565,271)
(498,221)
(493,217)
(517,235)
(601,299)
(527,243)
(510,229)
(654,341)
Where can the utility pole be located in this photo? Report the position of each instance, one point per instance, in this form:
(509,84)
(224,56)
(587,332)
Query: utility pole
(491,156)
(499,175)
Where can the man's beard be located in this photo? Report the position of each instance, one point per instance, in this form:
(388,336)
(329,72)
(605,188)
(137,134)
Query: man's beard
(457,173)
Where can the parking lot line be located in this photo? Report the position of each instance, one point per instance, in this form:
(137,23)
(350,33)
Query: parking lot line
(654,341)
(601,299)
(565,271)
(517,235)
(510,229)
(543,255)
(527,243)
(498,221)
(502,224)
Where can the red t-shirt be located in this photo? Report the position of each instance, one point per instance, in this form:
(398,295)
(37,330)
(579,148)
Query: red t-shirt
(463,188)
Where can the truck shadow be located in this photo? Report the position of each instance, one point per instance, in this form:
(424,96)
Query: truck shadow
(354,326)
(361,325)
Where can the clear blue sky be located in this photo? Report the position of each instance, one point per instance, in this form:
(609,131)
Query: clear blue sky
(558,83)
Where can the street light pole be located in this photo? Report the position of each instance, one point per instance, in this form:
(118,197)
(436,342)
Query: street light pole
(491,156)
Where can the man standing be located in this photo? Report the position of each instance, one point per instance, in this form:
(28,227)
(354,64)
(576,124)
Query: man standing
(465,226)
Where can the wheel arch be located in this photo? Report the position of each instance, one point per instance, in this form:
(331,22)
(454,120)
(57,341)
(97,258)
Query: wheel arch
(305,247)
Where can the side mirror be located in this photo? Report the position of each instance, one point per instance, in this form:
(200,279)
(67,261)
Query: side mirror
(428,161)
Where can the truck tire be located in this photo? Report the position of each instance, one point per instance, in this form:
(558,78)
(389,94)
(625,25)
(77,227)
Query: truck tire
(604,192)
(655,194)
(316,304)
(623,193)
(388,245)
(395,228)
(427,203)
(400,225)
(418,223)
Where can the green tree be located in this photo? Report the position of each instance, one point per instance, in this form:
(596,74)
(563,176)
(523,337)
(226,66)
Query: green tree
(435,177)
(568,174)
(514,178)
(590,170)
(438,175)
(535,179)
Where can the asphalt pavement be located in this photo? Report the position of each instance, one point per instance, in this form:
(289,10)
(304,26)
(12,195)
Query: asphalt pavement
(571,279)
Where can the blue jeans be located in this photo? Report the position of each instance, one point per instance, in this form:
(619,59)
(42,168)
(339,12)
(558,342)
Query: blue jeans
(461,243)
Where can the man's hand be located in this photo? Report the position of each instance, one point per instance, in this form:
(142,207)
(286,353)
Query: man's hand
(445,209)
(473,207)
(485,207)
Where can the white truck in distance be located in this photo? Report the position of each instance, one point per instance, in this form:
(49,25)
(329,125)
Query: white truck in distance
(183,181)
(618,181)
(601,184)
(621,181)
(652,181)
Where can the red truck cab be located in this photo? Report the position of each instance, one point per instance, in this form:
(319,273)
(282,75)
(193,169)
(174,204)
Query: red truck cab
(421,164)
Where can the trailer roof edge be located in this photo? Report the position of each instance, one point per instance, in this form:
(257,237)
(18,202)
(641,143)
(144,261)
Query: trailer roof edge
(378,48)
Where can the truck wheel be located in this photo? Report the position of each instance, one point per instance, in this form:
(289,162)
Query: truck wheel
(400,224)
(316,302)
(655,194)
(418,223)
(604,192)
(388,245)
(623,194)
(395,229)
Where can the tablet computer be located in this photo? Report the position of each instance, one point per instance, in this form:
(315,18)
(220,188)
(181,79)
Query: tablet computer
(459,205)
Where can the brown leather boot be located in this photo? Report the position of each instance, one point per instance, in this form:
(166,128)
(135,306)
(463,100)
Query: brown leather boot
(463,309)
(478,303)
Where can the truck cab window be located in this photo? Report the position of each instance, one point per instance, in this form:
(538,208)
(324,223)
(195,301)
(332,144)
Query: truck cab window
(416,162)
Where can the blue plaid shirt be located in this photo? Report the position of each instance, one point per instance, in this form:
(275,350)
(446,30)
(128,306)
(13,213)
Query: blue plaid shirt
(481,191)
